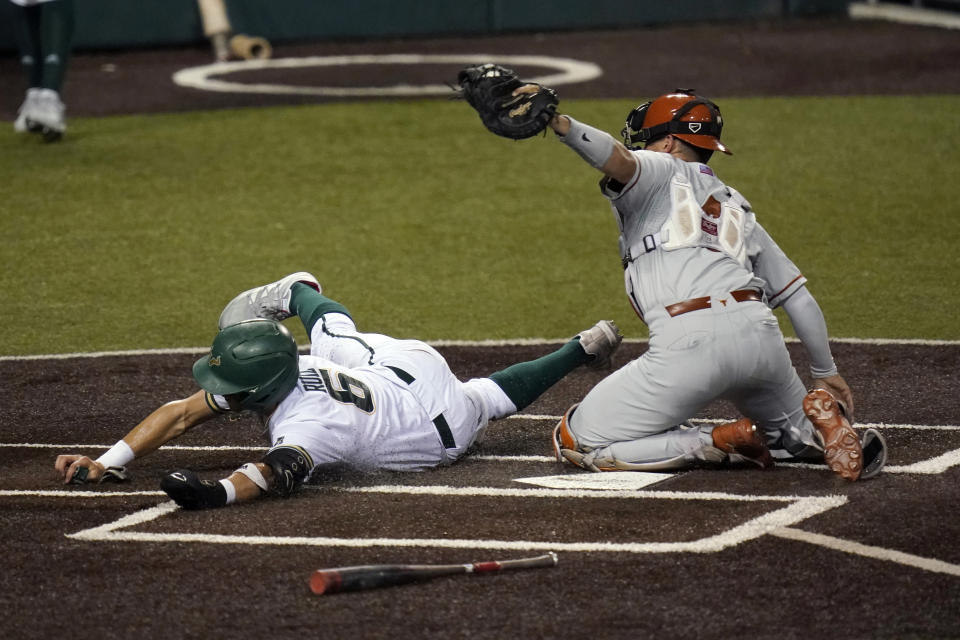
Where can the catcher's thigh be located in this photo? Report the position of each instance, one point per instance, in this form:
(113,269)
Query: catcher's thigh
(692,360)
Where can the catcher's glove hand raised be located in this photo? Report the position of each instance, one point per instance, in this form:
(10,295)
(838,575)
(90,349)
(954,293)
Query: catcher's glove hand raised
(507,106)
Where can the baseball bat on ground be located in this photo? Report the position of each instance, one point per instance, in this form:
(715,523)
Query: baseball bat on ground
(386,575)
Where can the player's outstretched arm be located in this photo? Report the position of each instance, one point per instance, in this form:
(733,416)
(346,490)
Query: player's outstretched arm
(281,472)
(188,490)
(164,424)
(598,148)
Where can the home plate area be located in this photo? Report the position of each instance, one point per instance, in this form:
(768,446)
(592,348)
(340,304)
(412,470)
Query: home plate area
(520,509)
(488,518)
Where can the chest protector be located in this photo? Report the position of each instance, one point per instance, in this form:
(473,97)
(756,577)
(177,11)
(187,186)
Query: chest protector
(714,225)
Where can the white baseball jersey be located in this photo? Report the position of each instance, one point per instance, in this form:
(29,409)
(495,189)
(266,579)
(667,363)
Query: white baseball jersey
(366,417)
(685,235)
(370,401)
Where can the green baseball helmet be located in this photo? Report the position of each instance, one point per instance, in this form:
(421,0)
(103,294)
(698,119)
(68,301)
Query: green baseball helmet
(255,359)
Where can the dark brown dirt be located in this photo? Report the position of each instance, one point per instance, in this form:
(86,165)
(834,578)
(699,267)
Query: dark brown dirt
(806,57)
(770,587)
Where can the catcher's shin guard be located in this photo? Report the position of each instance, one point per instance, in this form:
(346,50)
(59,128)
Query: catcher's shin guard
(566,447)
(842,450)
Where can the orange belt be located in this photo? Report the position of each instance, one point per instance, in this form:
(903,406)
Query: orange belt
(695,304)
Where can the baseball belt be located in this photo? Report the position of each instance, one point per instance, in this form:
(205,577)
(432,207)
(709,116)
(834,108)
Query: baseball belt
(441,424)
(695,304)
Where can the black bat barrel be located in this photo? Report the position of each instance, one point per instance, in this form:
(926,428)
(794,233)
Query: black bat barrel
(374,576)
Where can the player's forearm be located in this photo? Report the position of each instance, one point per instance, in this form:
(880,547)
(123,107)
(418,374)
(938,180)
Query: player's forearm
(598,148)
(811,328)
(162,425)
(560,124)
(166,423)
(249,482)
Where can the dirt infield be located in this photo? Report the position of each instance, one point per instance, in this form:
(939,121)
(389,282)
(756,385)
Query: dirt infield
(787,553)
(182,575)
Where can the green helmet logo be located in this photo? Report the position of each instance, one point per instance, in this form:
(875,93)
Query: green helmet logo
(255,359)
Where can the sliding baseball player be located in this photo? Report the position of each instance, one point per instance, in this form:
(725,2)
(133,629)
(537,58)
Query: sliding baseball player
(364,400)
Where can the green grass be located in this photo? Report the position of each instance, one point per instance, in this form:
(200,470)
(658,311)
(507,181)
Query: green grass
(135,230)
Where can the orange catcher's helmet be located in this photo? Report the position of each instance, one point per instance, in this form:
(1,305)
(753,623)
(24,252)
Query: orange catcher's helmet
(683,114)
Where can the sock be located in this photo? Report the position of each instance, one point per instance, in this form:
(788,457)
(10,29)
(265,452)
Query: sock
(526,381)
(56,30)
(309,305)
(27,23)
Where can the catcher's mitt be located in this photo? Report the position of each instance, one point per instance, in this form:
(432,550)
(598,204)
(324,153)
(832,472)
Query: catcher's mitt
(493,91)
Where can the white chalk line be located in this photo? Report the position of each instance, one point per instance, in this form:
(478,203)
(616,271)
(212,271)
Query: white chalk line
(568,71)
(443,490)
(166,447)
(930,466)
(868,551)
(858,425)
(778,522)
(799,509)
(509,342)
(63,493)
(905,14)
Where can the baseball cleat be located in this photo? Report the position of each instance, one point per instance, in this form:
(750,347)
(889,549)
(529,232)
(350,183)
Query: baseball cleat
(600,342)
(842,450)
(271,301)
(47,115)
(741,438)
(25,110)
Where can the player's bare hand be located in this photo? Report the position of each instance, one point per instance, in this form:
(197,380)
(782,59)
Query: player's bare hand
(69,467)
(840,390)
(560,124)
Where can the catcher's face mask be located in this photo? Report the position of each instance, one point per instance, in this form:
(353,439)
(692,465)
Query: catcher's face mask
(693,119)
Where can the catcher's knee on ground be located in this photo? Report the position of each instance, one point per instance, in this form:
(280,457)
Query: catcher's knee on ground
(567,448)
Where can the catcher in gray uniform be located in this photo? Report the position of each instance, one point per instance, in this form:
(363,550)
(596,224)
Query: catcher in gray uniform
(703,274)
